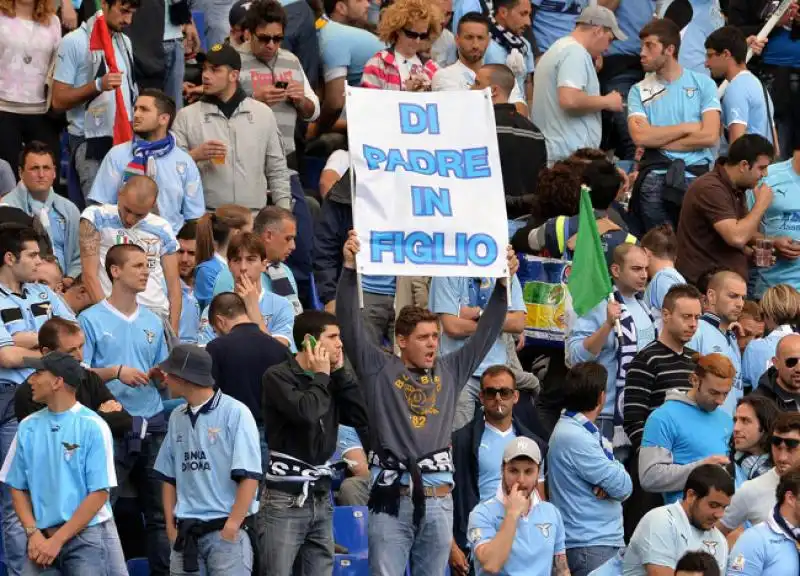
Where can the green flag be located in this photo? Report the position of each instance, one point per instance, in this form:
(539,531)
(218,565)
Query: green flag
(588,283)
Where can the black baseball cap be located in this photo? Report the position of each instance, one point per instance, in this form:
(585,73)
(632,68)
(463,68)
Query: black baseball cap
(59,364)
(238,12)
(190,362)
(221,55)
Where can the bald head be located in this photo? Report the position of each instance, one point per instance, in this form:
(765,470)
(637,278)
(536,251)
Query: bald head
(787,362)
(136,199)
(719,280)
(725,296)
(500,78)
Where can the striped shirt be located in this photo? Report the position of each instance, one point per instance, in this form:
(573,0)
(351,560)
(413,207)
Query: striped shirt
(655,369)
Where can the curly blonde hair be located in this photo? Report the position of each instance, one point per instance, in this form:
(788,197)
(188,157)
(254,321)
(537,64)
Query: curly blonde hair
(404,13)
(43,10)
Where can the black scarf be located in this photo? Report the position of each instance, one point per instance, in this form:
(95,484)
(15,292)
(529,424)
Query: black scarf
(229,107)
(506,38)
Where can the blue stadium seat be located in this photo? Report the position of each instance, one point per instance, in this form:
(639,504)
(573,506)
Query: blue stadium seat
(350,565)
(138,567)
(350,529)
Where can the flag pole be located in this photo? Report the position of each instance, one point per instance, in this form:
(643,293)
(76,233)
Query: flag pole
(617,325)
(353,207)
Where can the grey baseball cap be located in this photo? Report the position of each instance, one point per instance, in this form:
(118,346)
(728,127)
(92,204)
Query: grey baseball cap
(602,16)
(59,364)
(191,363)
(522,447)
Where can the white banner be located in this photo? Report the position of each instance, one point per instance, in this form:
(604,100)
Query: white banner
(429,197)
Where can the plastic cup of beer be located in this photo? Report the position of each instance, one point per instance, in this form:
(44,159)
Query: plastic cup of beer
(220,159)
(763,253)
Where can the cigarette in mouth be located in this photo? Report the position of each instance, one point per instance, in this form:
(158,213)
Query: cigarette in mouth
(500,409)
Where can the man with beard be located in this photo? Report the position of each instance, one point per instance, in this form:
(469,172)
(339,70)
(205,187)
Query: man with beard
(515,532)
(153,153)
(472,41)
(85,89)
(666,533)
(674,114)
(724,301)
(781,382)
(689,430)
(190,308)
(234,139)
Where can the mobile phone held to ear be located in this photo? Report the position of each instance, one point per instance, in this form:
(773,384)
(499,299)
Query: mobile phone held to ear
(312,342)
(282,85)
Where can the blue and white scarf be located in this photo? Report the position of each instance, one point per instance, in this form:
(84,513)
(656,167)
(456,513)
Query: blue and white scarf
(607,447)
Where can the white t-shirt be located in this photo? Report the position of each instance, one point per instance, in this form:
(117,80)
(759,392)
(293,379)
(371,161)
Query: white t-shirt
(460,77)
(753,501)
(338,161)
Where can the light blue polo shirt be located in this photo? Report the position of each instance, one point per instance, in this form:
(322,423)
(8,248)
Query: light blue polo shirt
(490,459)
(205,278)
(539,537)
(496,54)
(670,103)
(782,218)
(74,67)
(758,355)
(225,281)
(60,458)
(189,325)
(632,17)
(137,341)
(709,339)
(180,190)
(207,453)
(764,550)
(744,103)
(346,49)
(26,312)
(278,317)
(554,19)
(658,287)
(449,294)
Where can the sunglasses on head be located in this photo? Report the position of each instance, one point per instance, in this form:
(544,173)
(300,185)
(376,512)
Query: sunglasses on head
(791,362)
(416,35)
(266,38)
(790,443)
(505,393)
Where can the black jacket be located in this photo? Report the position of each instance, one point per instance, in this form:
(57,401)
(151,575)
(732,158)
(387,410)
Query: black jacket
(92,393)
(466,442)
(302,412)
(330,234)
(768,388)
(522,155)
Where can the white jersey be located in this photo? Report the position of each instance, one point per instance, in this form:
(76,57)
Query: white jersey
(153,234)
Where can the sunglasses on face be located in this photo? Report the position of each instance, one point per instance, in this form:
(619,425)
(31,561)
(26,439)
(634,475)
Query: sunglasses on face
(790,443)
(505,393)
(266,38)
(791,362)
(411,35)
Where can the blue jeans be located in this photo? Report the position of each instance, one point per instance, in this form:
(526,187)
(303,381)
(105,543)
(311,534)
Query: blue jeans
(297,540)
(138,470)
(217,24)
(174,68)
(301,39)
(94,547)
(15,542)
(217,557)
(651,203)
(622,83)
(583,560)
(393,541)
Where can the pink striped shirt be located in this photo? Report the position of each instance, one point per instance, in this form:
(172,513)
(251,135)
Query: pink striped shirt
(381,71)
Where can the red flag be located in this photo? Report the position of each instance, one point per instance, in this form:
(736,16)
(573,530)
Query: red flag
(101,40)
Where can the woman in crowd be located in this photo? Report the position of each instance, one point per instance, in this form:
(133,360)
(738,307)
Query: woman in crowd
(407,27)
(29,35)
(214,232)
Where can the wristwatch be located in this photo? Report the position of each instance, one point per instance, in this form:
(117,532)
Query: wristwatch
(31,530)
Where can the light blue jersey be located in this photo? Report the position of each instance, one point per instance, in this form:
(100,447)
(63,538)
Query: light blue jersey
(687,432)
(758,355)
(345,51)
(538,539)
(180,190)
(26,312)
(225,281)
(744,103)
(490,459)
(632,15)
(448,294)
(278,318)
(670,103)
(658,287)
(60,458)
(205,278)
(554,19)
(566,65)
(189,325)
(664,535)
(206,453)
(709,339)
(74,68)
(137,341)
(764,550)
(782,218)
(706,17)
(496,54)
